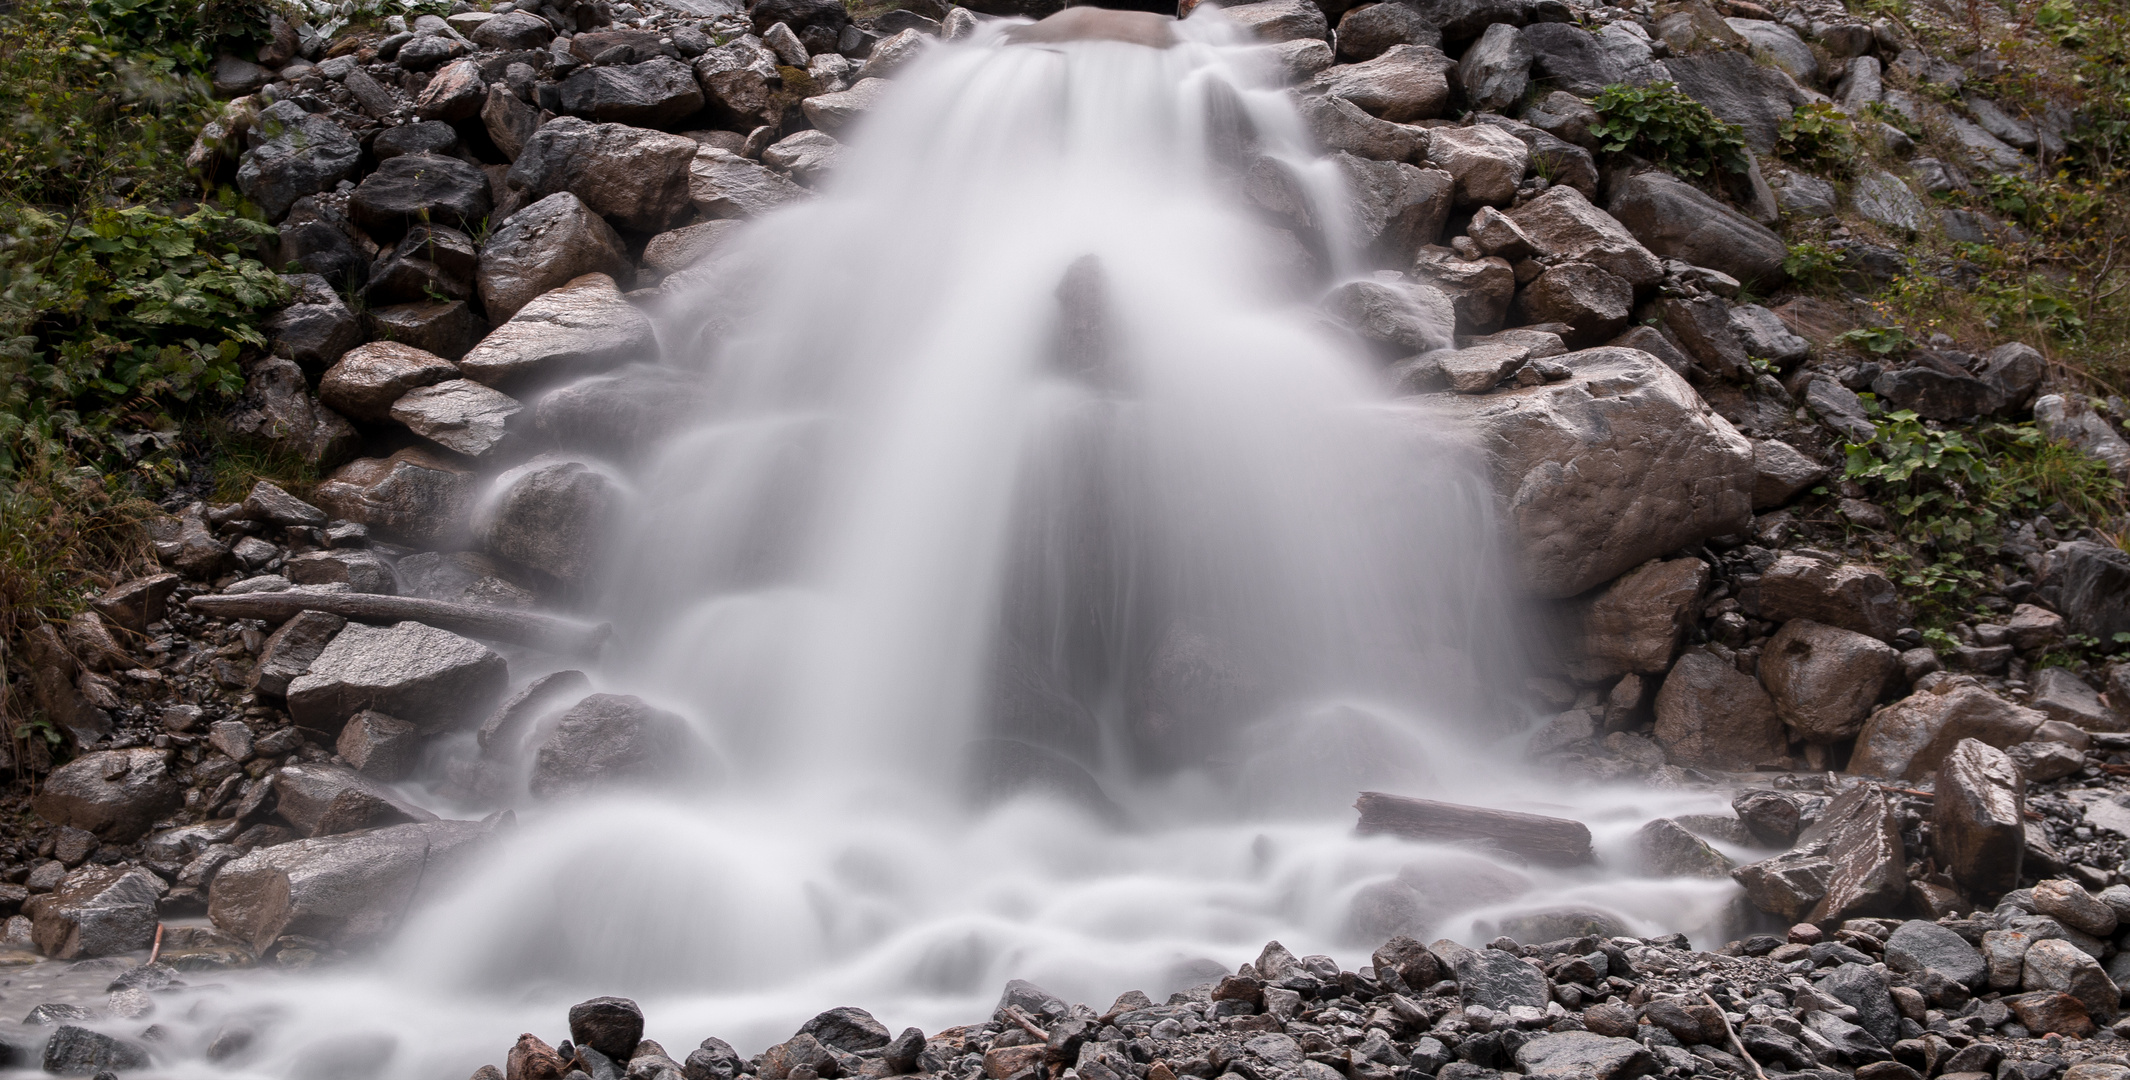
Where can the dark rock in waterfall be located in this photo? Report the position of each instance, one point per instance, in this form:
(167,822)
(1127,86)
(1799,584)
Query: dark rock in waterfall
(611,1025)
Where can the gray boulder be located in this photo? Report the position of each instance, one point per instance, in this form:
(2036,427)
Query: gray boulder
(349,890)
(1978,822)
(1494,71)
(1562,223)
(610,740)
(551,516)
(635,177)
(379,747)
(292,646)
(278,411)
(295,153)
(1846,595)
(1676,220)
(1393,317)
(369,378)
(1911,738)
(416,189)
(1395,208)
(1280,20)
(725,185)
(445,327)
(116,794)
(1918,946)
(1780,472)
(1499,980)
(835,113)
(323,799)
(361,571)
(2089,585)
(543,247)
(1711,715)
(316,327)
(657,93)
(1340,125)
(1584,1054)
(431,678)
(98,911)
(1757,97)
(1370,30)
(1487,162)
(805,156)
(1566,57)
(458,414)
(414,495)
(1592,303)
(77,1051)
(454,93)
(586,326)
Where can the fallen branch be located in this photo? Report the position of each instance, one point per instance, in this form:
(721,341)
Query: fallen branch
(1555,841)
(549,632)
(1014,1013)
(1736,1043)
(156,951)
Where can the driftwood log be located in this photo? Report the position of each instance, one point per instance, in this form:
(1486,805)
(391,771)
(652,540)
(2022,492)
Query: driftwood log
(1549,840)
(549,632)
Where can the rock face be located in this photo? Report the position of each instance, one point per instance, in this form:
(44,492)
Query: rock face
(1711,714)
(98,911)
(608,740)
(1978,818)
(348,890)
(425,676)
(1619,464)
(1676,220)
(1851,597)
(552,517)
(581,328)
(546,246)
(1825,680)
(1910,738)
(116,794)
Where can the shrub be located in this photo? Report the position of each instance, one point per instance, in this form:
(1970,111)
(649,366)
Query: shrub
(1661,123)
(1818,134)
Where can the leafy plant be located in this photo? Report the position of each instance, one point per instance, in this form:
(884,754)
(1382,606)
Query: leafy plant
(1812,264)
(1878,340)
(1663,124)
(1818,134)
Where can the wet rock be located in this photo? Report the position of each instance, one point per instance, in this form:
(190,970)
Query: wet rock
(292,646)
(510,121)
(2013,372)
(98,911)
(1759,98)
(611,1025)
(1710,714)
(1788,885)
(658,93)
(1396,209)
(458,414)
(1494,71)
(1637,622)
(1676,220)
(513,31)
(77,1051)
(805,156)
(1340,125)
(1688,1022)
(426,137)
(349,890)
(620,415)
(456,92)
(581,328)
(321,800)
(1663,848)
(1978,818)
(279,412)
(835,113)
(2051,1013)
(741,85)
(1561,223)
(2059,967)
(360,571)
(849,1029)
(543,247)
(116,794)
(1404,84)
(1413,963)
(2089,584)
(1585,1054)
(369,378)
(726,185)
(1847,596)
(551,516)
(446,328)
(431,678)
(1487,162)
(1570,58)
(1918,946)
(1564,116)
(715,1060)
(133,604)
(1825,680)
(1770,817)
(1593,303)
(634,177)
(1911,738)
(607,740)
(1861,836)
(2004,954)
(1780,472)
(672,252)
(1658,469)
(2061,695)
(1766,336)
(893,53)
(413,495)
(1702,325)
(378,746)
(1394,318)
(419,189)
(463,577)
(1500,980)
(293,154)
(316,327)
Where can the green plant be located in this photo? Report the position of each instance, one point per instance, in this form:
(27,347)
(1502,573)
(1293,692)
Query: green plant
(1878,340)
(1926,476)
(1663,124)
(1812,264)
(62,529)
(1818,134)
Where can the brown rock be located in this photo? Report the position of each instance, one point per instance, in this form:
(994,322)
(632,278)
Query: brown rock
(2051,1014)
(1845,595)
(1404,84)
(1910,738)
(1861,836)
(1782,472)
(1978,818)
(116,794)
(543,247)
(2056,966)
(290,649)
(1710,714)
(584,327)
(532,1059)
(1635,624)
(1563,224)
(369,378)
(1586,298)
(1789,885)
(1825,680)
(2034,627)
(414,495)
(132,605)
(2069,903)
(319,800)
(378,746)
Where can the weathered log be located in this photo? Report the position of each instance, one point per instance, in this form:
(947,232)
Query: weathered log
(1554,841)
(552,633)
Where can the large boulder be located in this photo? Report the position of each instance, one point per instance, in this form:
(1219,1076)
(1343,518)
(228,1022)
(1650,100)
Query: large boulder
(279,412)
(1846,595)
(1592,302)
(1758,97)
(1910,738)
(635,177)
(1494,71)
(1500,980)
(445,327)
(740,85)
(323,799)
(551,516)
(1711,715)
(1488,162)
(97,911)
(584,327)
(316,327)
(620,415)
(1918,946)
(1394,318)
(609,741)
(292,646)
(1978,819)
(2087,583)
(2054,965)
(416,189)
(293,154)
(1635,623)
(1676,220)
(458,414)
(414,495)
(1860,834)
(1562,223)
(366,381)
(1280,20)
(725,185)
(116,794)
(1370,30)
(657,93)
(546,246)
(1824,679)
(1404,84)
(431,678)
(1395,209)
(1619,464)
(349,890)
(1584,1055)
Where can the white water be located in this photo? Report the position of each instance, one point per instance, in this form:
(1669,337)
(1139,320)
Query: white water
(897,484)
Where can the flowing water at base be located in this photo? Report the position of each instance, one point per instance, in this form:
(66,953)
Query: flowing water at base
(1020,454)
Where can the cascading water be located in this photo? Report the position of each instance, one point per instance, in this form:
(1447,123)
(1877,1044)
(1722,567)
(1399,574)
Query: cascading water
(1022,468)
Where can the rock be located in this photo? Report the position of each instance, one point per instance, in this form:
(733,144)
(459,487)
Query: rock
(379,747)
(1978,832)
(584,327)
(457,414)
(316,328)
(1636,623)
(446,328)
(1918,946)
(893,53)
(98,911)
(369,378)
(420,188)
(77,1051)
(1711,715)
(1584,1054)
(611,1025)
(292,646)
(1804,195)
(551,516)
(463,577)
(1395,209)
(1479,292)
(293,154)
(672,252)
(1658,469)
(1494,71)
(1280,20)
(1757,97)
(2004,953)
(608,740)
(2060,695)
(1564,116)
(1593,303)
(658,93)
(1935,394)
(741,85)
(2013,371)
(426,137)
(1851,597)
(2070,904)
(1394,318)
(2057,966)
(1499,980)
(1340,125)
(620,415)
(1663,848)
(805,156)
(2048,1013)
(349,890)
(430,261)
(412,495)
(635,177)
(835,113)
(2089,584)
(1910,738)
(543,247)
(1404,84)
(2042,761)
(455,93)
(1563,224)
(1788,885)
(1487,162)
(425,52)
(1881,197)
(431,678)
(513,31)
(510,121)
(1839,409)
(1702,326)
(1569,57)
(1765,336)
(847,1029)
(1370,30)
(1774,43)
(1473,370)
(279,412)
(321,800)
(2074,423)
(1674,219)
(116,794)
(133,604)
(1825,680)
(1860,835)
(726,185)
